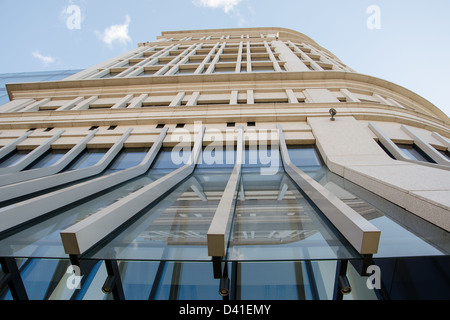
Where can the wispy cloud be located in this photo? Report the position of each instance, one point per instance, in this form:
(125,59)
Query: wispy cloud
(116,33)
(46,60)
(226,5)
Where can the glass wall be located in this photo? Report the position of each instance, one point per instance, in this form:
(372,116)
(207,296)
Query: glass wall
(22,77)
(281,246)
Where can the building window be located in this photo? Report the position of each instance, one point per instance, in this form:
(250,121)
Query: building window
(160,125)
(13,157)
(414,152)
(86,159)
(445,153)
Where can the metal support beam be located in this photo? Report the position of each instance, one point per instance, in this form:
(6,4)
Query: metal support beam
(12,279)
(33,155)
(8,179)
(34,185)
(220,228)
(359,232)
(425,146)
(397,153)
(341,285)
(113,283)
(12,145)
(17,214)
(83,235)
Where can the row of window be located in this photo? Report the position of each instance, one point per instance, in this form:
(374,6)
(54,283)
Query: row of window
(229,59)
(414,152)
(170,99)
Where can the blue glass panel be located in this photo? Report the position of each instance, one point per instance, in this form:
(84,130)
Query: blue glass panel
(41,276)
(87,158)
(187,281)
(305,156)
(402,233)
(48,159)
(274,221)
(129,157)
(414,153)
(273,281)
(13,157)
(176,227)
(171,158)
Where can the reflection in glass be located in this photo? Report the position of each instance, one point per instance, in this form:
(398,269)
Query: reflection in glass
(414,152)
(87,158)
(13,157)
(176,227)
(274,221)
(402,233)
(48,159)
(273,281)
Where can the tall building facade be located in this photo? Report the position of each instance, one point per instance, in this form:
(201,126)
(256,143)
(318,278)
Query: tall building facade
(223,164)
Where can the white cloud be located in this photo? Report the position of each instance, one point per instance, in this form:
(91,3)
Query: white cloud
(226,5)
(116,33)
(45,59)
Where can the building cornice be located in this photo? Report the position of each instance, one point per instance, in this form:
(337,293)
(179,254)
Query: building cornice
(231,78)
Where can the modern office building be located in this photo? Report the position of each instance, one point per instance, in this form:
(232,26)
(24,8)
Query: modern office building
(223,164)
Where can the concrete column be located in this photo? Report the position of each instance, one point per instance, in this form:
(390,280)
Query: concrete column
(70,104)
(201,67)
(250,97)
(234,97)
(193,99)
(291,96)
(350,96)
(35,106)
(5,150)
(177,100)
(15,105)
(137,102)
(425,146)
(184,57)
(166,69)
(276,66)
(304,56)
(441,139)
(293,63)
(84,105)
(249,57)
(123,102)
(212,66)
(239,58)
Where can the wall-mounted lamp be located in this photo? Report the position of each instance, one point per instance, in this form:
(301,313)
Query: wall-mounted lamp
(344,285)
(224,289)
(333,112)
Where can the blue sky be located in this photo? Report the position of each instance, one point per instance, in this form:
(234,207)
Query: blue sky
(411,47)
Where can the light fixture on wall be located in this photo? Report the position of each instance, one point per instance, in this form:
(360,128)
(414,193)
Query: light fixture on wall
(333,112)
